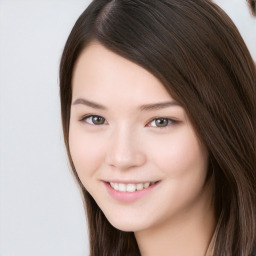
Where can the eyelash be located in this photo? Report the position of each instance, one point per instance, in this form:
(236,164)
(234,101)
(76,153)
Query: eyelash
(170,121)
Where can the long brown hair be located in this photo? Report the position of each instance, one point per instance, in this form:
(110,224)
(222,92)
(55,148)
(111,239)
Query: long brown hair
(197,53)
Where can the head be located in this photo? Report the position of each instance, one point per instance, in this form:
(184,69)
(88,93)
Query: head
(185,52)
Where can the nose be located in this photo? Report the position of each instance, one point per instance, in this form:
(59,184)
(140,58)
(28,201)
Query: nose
(125,150)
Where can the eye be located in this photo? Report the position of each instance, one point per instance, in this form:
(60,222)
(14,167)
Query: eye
(94,120)
(252,5)
(161,122)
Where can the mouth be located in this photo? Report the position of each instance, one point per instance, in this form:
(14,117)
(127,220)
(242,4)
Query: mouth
(130,191)
(131,187)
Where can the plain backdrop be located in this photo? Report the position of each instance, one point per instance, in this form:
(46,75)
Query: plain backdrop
(41,211)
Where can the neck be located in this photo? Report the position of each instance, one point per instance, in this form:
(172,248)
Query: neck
(188,234)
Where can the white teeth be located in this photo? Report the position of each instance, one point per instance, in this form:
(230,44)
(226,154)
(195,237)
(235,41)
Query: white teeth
(122,187)
(139,186)
(116,186)
(146,185)
(130,187)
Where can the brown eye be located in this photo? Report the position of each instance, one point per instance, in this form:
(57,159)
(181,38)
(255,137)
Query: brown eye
(94,120)
(98,120)
(161,122)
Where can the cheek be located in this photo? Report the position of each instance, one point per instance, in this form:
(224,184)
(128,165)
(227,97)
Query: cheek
(182,162)
(181,158)
(87,153)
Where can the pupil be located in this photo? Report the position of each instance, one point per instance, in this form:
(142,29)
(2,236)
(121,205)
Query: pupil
(98,120)
(161,122)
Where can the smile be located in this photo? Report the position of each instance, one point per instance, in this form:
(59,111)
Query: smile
(130,187)
(130,191)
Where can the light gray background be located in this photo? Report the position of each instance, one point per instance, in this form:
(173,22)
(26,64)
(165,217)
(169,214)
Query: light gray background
(41,212)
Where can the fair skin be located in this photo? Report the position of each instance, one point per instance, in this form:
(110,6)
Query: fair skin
(126,129)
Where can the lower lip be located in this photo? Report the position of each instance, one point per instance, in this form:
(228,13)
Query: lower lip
(129,196)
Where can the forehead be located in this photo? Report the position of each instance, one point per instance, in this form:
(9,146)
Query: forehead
(99,72)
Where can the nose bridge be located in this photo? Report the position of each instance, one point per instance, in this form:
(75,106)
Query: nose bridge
(123,150)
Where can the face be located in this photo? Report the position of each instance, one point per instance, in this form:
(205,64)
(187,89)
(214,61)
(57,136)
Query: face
(132,144)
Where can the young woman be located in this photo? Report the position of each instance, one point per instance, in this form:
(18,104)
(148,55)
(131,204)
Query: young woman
(158,109)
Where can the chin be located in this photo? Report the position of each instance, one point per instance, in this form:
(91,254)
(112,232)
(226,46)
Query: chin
(126,225)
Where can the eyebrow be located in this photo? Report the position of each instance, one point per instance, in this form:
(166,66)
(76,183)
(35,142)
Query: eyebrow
(88,103)
(145,107)
(157,106)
